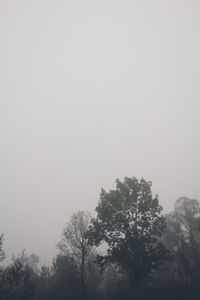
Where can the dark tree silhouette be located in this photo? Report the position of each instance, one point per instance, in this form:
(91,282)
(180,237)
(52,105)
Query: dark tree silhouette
(129,220)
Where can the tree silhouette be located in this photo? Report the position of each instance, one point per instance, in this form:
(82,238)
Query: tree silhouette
(129,221)
(75,243)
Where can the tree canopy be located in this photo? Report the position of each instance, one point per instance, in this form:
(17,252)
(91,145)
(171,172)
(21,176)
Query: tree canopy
(129,221)
(143,254)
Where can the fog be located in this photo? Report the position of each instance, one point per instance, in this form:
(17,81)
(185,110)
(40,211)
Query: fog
(92,91)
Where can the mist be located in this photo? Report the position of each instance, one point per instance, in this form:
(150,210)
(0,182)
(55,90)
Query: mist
(92,91)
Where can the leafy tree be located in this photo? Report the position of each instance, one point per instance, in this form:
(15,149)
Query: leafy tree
(75,243)
(129,221)
(182,238)
(17,280)
(2,253)
(65,281)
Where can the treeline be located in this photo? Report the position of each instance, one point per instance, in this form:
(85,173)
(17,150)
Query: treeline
(130,250)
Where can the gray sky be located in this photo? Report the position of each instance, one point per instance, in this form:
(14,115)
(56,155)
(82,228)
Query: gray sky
(91,91)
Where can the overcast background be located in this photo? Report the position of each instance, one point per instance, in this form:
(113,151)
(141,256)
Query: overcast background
(91,91)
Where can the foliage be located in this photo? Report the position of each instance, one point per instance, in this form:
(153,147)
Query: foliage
(136,242)
(182,238)
(129,220)
(17,278)
(43,283)
(94,277)
(65,278)
(2,253)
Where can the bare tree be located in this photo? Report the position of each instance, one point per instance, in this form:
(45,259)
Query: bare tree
(75,243)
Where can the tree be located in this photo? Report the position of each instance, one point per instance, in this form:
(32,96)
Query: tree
(43,286)
(129,221)
(2,253)
(17,280)
(65,281)
(2,256)
(182,238)
(94,278)
(75,243)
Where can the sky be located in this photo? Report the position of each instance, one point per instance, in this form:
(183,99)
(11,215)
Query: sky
(91,91)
